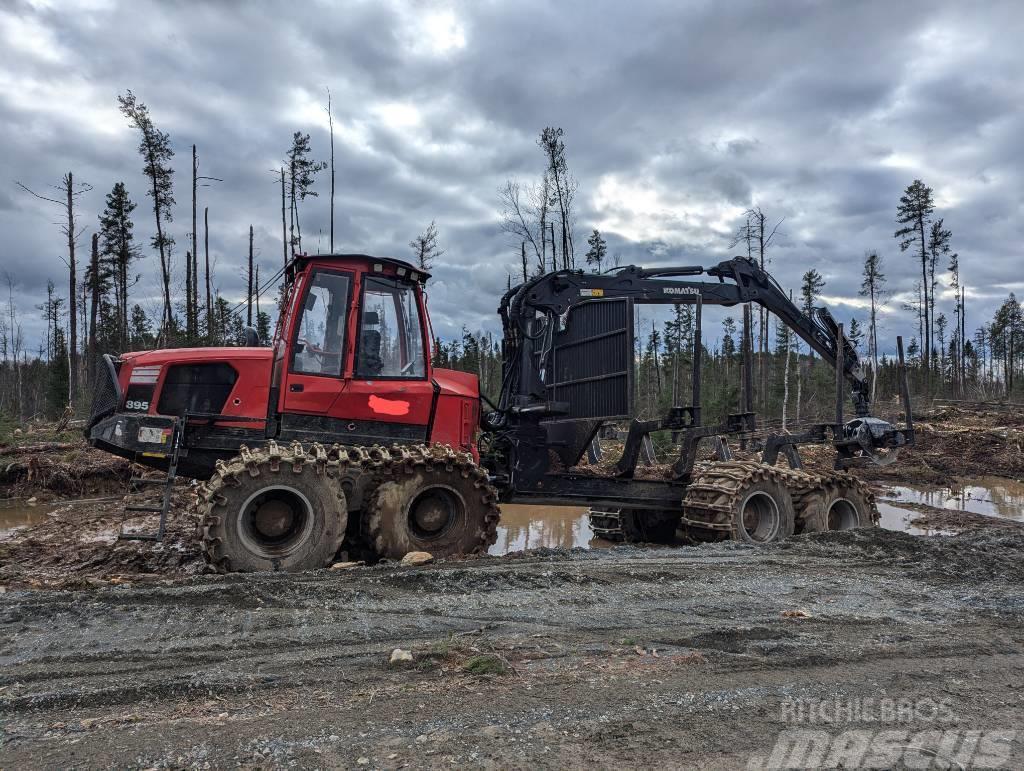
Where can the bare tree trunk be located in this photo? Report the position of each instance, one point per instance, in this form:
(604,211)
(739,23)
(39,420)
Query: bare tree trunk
(206,249)
(192,285)
(72,292)
(926,342)
(785,379)
(292,209)
(284,229)
(95,301)
(249,291)
(330,121)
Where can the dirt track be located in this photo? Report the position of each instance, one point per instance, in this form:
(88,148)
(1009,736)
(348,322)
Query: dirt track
(273,670)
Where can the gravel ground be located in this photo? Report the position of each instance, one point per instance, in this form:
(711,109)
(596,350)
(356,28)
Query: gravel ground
(685,657)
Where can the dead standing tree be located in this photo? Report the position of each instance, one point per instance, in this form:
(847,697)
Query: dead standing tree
(757,238)
(424,247)
(156,152)
(301,173)
(69,191)
(330,123)
(192,272)
(551,143)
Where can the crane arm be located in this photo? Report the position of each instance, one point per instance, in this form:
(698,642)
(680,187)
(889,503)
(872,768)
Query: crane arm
(740,280)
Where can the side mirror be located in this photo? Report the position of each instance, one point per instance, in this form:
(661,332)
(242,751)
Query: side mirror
(250,338)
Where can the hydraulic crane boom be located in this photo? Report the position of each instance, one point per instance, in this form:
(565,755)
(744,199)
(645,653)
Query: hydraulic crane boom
(568,368)
(740,280)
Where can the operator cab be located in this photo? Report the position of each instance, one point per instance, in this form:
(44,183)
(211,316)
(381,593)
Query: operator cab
(387,334)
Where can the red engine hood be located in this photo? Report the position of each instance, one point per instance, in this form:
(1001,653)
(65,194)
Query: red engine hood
(191,355)
(457,383)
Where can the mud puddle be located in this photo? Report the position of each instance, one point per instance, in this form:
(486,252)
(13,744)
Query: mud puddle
(534,527)
(907,507)
(18,513)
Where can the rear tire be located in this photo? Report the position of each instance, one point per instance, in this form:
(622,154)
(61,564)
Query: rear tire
(844,505)
(280,516)
(433,501)
(764,512)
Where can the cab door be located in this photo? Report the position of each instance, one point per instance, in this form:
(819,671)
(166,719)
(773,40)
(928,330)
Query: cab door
(390,396)
(315,367)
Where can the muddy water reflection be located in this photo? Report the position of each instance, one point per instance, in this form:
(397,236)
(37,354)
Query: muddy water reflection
(991,496)
(532,527)
(988,496)
(17,513)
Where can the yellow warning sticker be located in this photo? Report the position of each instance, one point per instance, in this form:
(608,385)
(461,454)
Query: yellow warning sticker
(591,293)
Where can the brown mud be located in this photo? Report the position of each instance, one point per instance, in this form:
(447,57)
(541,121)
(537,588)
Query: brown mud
(76,545)
(624,657)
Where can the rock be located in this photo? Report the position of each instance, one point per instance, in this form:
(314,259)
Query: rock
(32,501)
(399,656)
(17,432)
(363,761)
(795,614)
(417,558)
(346,565)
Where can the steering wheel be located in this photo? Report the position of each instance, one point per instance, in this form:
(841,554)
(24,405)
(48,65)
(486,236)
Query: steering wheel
(308,346)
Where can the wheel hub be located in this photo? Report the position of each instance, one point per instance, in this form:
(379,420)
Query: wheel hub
(273,519)
(842,515)
(760,518)
(434,511)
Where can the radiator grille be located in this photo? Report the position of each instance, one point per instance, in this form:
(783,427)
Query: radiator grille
(106,395)
(592,361)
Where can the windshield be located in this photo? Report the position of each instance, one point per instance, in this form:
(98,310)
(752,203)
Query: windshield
(390,333)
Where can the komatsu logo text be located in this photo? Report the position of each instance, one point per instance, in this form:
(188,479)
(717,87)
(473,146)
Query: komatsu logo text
(680,290)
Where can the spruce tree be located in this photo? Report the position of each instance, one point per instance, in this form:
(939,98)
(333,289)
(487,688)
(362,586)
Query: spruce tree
(914,213)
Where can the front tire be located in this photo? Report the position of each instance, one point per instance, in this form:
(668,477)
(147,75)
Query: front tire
(264,512)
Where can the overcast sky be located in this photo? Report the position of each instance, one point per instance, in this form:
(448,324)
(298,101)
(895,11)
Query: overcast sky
(678,116)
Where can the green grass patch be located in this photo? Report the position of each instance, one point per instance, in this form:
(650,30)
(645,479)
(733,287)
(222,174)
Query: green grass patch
(485,665)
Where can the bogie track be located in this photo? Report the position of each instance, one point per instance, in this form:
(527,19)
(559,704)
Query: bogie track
(753,502)
(288,507)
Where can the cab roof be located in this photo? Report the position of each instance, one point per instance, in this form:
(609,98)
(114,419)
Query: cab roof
(297,259)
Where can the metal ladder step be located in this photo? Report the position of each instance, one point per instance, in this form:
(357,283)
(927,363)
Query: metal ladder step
(177,429)
(146,481)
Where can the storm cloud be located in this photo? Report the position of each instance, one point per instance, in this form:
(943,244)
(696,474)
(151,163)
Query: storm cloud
(678,116)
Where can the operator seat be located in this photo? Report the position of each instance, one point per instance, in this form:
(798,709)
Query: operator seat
(370,363)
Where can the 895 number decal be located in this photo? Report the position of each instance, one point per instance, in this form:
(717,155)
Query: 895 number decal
(135,404)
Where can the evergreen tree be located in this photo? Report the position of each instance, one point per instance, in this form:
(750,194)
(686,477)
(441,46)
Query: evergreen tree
(263,327)
(425,249)
(302,171)
(914,213)
(140,329)
(598,249)
(855,334)
(156,152)
(58,376)
(810,290)
(872,287)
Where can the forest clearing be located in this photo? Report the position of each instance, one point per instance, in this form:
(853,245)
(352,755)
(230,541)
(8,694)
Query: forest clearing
(423,384)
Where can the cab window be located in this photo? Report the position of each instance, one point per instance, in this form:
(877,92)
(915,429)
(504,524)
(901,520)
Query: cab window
(390,334)
(319,345)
